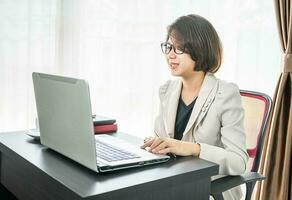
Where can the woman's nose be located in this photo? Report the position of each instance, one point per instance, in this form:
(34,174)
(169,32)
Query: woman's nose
(171,54)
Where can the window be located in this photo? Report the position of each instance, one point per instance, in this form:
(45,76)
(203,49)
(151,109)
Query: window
(115,45)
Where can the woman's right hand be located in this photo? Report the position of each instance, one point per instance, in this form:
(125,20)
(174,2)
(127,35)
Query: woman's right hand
(164,145)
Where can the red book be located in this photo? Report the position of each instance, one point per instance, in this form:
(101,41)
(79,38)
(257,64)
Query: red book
(108,128)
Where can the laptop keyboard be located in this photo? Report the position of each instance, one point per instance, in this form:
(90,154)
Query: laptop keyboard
(110,153)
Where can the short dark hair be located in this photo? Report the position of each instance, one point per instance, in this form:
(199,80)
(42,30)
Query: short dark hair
(198,37)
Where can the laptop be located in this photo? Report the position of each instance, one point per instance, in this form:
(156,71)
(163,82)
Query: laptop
(66,126)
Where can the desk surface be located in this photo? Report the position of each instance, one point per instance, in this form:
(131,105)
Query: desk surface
(17,146)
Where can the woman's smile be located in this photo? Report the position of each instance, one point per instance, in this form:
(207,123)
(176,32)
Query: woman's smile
(173,65)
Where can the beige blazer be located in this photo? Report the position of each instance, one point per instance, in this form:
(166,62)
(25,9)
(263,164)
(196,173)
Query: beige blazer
(216,123)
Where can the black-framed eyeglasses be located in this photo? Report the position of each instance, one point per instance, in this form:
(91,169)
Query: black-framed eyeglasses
(167,47)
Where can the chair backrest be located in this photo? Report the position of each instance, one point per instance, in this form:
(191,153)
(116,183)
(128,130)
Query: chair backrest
(257,108)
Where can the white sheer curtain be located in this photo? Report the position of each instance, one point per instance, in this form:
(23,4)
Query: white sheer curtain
(115,46)
(28,42)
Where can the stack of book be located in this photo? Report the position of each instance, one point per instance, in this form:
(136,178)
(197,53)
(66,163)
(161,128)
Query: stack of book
(104,124)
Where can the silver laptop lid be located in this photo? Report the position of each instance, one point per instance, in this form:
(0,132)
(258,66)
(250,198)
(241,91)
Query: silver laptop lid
(65,118)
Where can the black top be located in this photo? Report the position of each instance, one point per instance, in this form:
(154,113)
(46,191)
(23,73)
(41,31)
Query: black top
(183,114)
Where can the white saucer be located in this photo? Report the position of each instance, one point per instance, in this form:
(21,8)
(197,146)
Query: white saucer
(34,133)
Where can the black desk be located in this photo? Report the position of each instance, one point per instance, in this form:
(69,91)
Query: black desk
(32,171)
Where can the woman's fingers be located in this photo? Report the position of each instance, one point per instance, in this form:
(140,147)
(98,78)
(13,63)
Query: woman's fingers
(165,151)
(155,143)
(148,139)
(147,143)
(162,145)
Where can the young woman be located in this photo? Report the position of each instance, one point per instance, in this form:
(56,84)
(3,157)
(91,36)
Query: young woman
(200,115)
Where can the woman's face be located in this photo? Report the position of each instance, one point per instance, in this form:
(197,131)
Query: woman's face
(180,64)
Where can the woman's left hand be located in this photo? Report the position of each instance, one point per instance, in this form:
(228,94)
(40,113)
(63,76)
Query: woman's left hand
(164,145)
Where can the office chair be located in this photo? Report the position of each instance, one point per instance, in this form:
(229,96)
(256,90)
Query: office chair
(257,108)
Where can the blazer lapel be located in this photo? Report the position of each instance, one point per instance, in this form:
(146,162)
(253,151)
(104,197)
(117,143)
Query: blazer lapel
(171,102)
(206,88)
